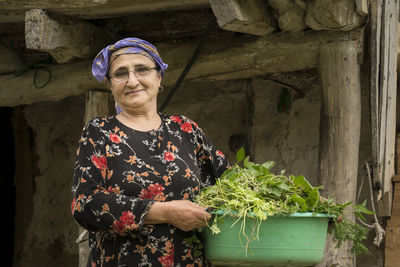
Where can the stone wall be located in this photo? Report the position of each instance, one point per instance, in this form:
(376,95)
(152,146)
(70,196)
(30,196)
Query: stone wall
(231,113)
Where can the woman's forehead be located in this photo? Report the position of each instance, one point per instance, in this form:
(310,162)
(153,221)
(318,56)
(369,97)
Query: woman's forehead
(130,60)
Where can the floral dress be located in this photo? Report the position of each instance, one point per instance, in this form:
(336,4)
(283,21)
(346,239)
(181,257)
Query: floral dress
(120,172)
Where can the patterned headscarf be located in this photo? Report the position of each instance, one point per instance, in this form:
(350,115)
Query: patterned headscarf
(101,62)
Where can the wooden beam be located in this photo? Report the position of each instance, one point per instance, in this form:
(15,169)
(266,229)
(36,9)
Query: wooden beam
(64,38)
(340,124)
(333,15)
(12,11)
(251,16)
(243,58)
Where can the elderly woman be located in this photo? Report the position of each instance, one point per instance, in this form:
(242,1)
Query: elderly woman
(137,172)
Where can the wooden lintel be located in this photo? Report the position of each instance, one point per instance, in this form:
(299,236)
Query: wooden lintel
(12,11)
(244,58)
(64,38)
(251,16)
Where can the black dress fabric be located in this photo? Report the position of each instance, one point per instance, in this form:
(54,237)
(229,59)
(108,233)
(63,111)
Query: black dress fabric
(120,172)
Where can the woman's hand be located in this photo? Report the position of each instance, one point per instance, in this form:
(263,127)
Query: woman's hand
(183,214)
(186,215)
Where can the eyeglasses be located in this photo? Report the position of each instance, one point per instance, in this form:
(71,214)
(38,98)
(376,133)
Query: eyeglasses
(139,71)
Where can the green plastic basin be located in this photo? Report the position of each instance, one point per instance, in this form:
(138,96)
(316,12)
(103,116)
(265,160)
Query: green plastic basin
(297,239)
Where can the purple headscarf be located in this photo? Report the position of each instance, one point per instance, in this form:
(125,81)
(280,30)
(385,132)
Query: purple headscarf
(101,62)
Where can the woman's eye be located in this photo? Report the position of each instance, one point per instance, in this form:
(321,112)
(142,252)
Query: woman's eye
(121,74)
(142,70)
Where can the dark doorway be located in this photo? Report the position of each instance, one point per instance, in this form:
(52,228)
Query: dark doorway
(7,185)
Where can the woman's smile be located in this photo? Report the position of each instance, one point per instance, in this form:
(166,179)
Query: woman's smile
(134,92)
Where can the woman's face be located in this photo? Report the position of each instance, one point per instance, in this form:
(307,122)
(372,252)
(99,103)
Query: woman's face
(138,91)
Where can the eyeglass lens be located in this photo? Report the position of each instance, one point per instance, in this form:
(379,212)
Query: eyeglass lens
(139,71)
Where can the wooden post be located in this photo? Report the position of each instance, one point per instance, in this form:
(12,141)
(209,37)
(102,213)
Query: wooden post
(96,105)
(339,133)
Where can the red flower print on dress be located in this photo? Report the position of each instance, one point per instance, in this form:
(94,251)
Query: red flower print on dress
(187,127)
(73,205)
(119,227)
(127,218)
(219,153)
(99,162)
(126,221)
(176,119)
(167,260)
(169,156)
(152,191)
(115,138)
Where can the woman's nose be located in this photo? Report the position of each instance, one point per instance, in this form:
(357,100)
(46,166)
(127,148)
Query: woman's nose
(132,79)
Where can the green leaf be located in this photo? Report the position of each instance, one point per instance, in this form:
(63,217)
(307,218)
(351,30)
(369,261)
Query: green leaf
(276,191)
(302,182)
(360,216)
(312,198)
(240,155)
(268,164)
(302,203)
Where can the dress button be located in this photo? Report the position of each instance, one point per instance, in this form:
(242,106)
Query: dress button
(163,161)
(171,194)
(171,231)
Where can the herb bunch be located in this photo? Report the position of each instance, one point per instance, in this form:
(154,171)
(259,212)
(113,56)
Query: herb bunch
(253,191)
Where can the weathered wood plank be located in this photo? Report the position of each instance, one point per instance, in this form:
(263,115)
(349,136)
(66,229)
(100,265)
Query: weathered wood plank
(340,124)
(12,11)
(388,103)
(392,247)
(251,16)
(64,38)
(397,158)
(375,37)
(245,57)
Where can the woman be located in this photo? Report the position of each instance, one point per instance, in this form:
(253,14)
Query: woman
(138,172)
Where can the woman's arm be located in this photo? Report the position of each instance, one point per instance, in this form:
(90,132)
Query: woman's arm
(94,205)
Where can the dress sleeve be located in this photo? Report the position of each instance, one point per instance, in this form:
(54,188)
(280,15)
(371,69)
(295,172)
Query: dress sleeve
(211,160)
(93,206)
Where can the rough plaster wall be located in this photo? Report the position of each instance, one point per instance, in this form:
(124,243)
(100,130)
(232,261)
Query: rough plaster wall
(219,108)
(289,139)
(51,232)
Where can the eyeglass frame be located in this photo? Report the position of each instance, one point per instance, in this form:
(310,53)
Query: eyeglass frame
(134,73)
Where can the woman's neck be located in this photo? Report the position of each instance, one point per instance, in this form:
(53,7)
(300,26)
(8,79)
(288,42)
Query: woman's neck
(142,121)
